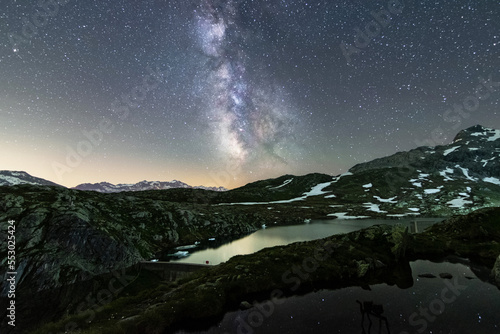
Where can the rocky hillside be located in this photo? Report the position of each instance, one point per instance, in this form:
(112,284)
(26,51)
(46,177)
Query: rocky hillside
(73,234)
(442,180)
(66,238)
(473,154)
(427,181)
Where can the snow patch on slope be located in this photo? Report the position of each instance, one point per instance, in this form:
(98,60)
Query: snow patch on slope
(493,180)
(315,191)
(388,200)
(458,202)
(373,207)
(450,150)
(489,134)
(466,173)
(318,189)
(284,184)
(445,173)
(343,215)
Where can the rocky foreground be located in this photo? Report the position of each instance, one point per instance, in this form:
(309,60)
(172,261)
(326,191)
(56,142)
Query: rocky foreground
(67,240)
(380,254)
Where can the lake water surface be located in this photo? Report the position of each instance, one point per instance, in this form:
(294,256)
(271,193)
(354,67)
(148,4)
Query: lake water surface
(282,235)
(461,305)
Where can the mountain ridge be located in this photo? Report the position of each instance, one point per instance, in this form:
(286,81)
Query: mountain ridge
(473,142)
(456,178)
(10,178)
(13,178)
(474,149)
(106,187)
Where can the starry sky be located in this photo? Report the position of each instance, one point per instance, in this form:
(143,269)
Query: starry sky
(225,92)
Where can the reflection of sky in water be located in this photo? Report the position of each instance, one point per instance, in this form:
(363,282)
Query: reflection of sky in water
(474,310)
(281,235)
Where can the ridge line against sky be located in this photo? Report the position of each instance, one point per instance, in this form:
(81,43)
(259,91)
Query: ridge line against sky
(222,93)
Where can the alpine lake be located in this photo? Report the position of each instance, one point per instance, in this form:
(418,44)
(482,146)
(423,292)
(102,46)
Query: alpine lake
(452,295)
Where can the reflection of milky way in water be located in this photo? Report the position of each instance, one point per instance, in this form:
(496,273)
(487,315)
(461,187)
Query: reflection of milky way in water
(248,118)
(417,305)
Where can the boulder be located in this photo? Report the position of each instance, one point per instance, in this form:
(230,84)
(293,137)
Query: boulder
(495,273)
(244,305)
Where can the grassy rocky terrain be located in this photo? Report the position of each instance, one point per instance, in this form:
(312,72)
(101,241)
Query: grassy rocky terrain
(67,239)
(374,255)
(89,232)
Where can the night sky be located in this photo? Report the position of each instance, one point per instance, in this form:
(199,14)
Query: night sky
(227,92)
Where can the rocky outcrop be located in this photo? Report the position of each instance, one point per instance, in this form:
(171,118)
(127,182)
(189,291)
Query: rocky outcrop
(65,236)
(476,236)
(495,273)
(458,178)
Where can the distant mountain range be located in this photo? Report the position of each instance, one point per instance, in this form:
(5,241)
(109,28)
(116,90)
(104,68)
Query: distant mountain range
(105,187)
(12,178)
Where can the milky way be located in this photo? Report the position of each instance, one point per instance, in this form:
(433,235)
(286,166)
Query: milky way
(252,89)
(247,114)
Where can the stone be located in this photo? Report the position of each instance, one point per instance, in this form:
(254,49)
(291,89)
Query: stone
(495,273)
(362,268)
(244,305)
(379,264)
(401,239)
(129,320)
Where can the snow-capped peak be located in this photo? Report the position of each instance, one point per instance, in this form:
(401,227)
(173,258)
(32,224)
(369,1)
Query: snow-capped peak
(12,178)
(106,187)
(478,132)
